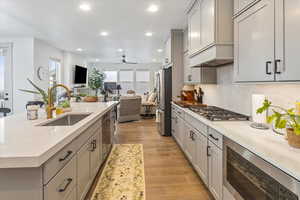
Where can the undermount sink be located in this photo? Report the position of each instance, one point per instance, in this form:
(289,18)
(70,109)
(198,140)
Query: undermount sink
(67,120)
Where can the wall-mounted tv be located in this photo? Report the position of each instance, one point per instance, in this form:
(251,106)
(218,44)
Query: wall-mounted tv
(80,75)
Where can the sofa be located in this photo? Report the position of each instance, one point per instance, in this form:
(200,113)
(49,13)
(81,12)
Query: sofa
(129,108)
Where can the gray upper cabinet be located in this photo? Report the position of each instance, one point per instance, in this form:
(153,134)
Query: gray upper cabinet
(210,32)
(266,42)
(254,43)
(287,40)
(241,5)
(194,75)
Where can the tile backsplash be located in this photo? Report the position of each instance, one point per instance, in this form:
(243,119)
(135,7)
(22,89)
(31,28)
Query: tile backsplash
(237,97)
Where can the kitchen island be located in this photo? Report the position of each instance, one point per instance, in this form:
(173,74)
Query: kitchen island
(42,160)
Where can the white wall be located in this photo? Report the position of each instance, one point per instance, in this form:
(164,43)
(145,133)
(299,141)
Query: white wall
(43,52)
(23,68)
(237,97)
(70,60)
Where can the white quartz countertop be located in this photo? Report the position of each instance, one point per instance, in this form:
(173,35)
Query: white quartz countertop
(266,144)
(25,144)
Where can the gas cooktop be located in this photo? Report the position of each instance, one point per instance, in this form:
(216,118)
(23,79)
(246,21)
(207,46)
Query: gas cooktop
(214,113)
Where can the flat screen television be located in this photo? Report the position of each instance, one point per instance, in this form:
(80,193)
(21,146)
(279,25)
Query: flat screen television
(80,75)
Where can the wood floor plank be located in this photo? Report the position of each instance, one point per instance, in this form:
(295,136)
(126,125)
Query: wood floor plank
(168,174)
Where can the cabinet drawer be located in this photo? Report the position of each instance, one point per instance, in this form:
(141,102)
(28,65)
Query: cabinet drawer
(96,127)
(242,5)
(58,161)
(215,137)
(62,184)
(197,124)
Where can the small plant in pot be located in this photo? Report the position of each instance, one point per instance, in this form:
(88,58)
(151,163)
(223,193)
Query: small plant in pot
(284,118)
(96,79)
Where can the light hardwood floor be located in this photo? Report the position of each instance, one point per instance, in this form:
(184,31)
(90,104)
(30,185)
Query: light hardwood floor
(169,176)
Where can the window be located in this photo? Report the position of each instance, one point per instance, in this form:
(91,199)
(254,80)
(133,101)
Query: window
(126,80)
(111,76)
(54,76)
(142,81)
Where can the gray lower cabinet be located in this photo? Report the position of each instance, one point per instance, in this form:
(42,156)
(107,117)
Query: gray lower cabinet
(215,170)
(83,171)
(201,163)
(63,183)
(202,146)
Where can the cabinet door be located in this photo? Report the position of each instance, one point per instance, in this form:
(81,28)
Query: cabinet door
(207,23)
(191,75)
(187,69)
(215,167)
(201,157)
(181,131)
(194,29)
(95,155)
(254,43)
(83,170)
(174,126)
(190,148)
(287,40)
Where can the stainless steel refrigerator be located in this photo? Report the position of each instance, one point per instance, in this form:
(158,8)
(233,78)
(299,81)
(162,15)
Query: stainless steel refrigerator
(164,86)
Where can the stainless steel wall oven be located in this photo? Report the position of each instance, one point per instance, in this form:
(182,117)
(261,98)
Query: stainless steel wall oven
(249,177)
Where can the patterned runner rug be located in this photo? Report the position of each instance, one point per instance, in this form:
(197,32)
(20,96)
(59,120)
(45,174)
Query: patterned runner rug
(123,175)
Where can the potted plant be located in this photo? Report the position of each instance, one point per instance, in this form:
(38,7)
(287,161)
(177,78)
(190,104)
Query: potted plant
(37,91)
(284,118)
(95,82)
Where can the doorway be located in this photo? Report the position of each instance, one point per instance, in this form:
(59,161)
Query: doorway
(6,79)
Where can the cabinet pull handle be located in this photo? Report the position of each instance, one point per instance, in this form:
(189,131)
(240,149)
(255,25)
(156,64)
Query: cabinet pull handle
(66,156)
(277,66)
(94,144)
(69,181)
(192,135)
(207,151)
(267,67)
(210,135)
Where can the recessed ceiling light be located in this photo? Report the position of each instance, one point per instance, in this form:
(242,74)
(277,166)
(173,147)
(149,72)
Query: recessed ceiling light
(120,50)
(160,50)
(153,8)
(85,6)
(104,33)
(154,60)
(149,34)
(79,49)
(97,59)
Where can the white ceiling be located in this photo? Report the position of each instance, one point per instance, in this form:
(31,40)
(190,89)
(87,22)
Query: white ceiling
(63,24)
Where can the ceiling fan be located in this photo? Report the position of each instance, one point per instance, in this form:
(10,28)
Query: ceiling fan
(124,61)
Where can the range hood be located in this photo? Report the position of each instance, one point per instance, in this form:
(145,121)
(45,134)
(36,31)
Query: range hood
(214,56)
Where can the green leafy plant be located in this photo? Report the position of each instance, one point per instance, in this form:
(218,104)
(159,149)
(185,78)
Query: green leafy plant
(37,91)
(65,104)
(96,79)
(285,118)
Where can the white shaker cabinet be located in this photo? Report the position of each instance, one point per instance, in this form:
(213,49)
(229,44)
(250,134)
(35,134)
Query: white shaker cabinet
(210,32)
(83,170)
(240,5)
(287,62)
(190,144)
(215,165)
(254,43)
(201,164)
(194,29)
